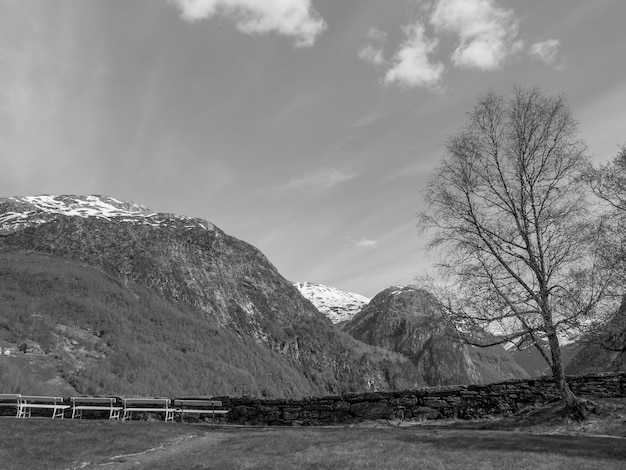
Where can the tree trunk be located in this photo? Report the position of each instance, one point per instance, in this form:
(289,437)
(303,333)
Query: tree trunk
(571,401)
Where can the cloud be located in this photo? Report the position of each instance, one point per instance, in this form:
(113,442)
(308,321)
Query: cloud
(324,178)
(412,66)
(362,243)
(547,51)
(487,32)
(372,54)
(376,34)
(294,18)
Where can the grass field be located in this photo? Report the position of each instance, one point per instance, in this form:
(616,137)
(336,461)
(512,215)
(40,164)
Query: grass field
(41,443)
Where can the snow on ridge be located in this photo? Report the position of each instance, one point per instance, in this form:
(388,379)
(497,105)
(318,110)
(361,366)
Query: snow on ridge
(87,206)
(336,304)
(104,207)
(400,289)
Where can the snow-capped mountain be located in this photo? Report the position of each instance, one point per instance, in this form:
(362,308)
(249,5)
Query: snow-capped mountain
(338,305)
(17,213)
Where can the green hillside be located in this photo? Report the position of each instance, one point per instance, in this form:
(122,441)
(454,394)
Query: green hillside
(88,332)
(105,337)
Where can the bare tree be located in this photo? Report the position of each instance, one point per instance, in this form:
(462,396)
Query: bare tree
(508,214)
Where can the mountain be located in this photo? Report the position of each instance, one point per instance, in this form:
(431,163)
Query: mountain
(409,321)
(338,305)
(603,350)
(535,365)
(598,351)
(122,299)
(592,358)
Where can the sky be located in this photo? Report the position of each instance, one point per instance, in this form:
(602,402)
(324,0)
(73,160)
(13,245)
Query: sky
(307,128)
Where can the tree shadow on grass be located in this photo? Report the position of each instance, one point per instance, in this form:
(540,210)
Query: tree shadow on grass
(476,440)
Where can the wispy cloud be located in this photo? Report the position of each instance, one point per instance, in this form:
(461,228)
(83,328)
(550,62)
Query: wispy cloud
(412,66)
(546,51)
(362,243)
(322,179)
(28,83)
(294,18)
(487,32)
(365,243)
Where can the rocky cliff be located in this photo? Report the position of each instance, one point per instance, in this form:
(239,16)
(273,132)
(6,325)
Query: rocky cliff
(409,321)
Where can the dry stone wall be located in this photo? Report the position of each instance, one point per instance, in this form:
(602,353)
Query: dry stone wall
(463,401)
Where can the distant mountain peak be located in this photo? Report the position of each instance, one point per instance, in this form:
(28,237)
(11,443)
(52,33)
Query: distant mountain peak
(19,212)
(409,320)
(338,305)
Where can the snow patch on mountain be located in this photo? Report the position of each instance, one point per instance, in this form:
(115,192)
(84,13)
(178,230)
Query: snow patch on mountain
(20,212)
(396,290)
(338,305)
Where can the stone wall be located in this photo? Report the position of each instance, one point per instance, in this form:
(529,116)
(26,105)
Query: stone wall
(463,401)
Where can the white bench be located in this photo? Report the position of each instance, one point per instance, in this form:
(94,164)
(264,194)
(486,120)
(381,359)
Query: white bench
(29,402)
(80,404)
(149,405)
(11,400)
(197,406)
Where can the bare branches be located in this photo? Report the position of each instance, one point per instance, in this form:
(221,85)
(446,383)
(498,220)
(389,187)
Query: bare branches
(608,181)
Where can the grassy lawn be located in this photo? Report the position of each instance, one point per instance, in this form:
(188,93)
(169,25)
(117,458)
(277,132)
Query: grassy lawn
(46,444)
(43,443)
(362,448)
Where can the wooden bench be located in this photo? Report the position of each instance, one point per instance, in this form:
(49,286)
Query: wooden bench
(80,404)
(149,405)
(197,406)
(29,402)
(11,400)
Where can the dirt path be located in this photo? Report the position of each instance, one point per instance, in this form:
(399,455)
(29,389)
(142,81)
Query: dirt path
(172,448)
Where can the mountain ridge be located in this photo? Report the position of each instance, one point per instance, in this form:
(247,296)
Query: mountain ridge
(226,282)
(19,212)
